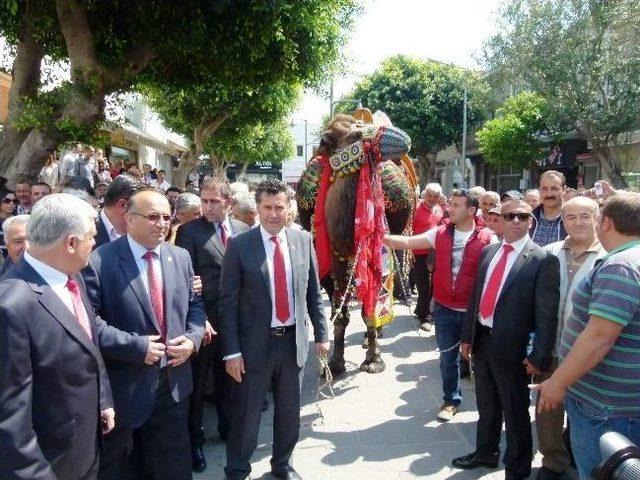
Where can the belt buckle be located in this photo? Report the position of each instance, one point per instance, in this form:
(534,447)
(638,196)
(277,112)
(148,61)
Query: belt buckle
(279,331)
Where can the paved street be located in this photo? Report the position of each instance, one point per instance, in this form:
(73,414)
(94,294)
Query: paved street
(378,427)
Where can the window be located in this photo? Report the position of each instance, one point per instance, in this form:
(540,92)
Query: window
(300,150)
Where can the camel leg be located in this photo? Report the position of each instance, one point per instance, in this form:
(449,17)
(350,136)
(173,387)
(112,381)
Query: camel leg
(373,362)
(336,363)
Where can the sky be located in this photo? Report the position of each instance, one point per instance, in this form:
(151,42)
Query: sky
(449,31)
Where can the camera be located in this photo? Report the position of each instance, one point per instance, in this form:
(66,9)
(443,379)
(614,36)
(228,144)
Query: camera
(620,458)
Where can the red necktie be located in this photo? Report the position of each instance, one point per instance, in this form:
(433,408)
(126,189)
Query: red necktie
(488,302)
(223,234)
(78,306)
(155,293)
(280,282)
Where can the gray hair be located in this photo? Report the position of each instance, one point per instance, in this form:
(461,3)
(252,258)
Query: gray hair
(11,221)
(492,194)
(245,202)
(433,188)
(477,191)
(57,216)
(237,187)
(186,201)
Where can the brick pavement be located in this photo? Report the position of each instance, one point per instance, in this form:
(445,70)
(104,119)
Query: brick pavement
(378,427)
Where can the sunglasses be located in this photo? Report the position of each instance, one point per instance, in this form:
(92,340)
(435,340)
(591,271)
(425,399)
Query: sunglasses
(510,217)
(9,200)
(155,217)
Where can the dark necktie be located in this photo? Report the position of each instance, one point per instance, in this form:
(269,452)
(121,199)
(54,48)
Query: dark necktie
(223,234)
(488,301)
(280,282)
(78,306)
(155,292)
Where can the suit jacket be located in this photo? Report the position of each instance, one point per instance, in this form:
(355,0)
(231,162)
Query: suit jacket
(53,382)
(199,238)
(119,296)
(528,303)
(245,298)
(102,236)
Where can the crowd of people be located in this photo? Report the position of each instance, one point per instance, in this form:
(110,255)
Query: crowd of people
(124,308)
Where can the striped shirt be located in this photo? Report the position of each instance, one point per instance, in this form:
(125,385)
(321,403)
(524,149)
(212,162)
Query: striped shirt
(611,291)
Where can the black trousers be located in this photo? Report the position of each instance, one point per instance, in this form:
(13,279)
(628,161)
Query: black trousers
(209,359)
(162,447)
(423,283)
(501,390)
(280,371)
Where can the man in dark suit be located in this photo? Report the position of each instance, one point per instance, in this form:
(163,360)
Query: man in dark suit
(143,286)
(268,292)
(515,296)
(111,223)
(54,391)
(205,239)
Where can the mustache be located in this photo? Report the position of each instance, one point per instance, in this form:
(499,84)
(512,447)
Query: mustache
(550,198)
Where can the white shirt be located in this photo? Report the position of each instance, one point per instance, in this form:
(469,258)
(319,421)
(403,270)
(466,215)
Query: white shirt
(111,230)
(164,185)
(518,245)
(54,278)
(138,252)
(228,229)
(269,249)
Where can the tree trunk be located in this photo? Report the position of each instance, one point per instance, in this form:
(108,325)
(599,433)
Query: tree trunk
(610,166)
(188,161)
(426,168)
(218,165)
(25,82)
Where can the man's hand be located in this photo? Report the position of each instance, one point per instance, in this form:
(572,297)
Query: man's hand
(551,395)
(155,350)
(209,333)
(107,420)
(197,285)
(322,348)
(465,351)
(235,368)
(180,349)
(531,368)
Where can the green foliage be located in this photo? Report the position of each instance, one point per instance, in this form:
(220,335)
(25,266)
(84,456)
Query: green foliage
(516,136)
(424,98)
(582,56)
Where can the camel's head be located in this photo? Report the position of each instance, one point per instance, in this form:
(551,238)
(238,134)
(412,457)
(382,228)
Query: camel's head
(348,141)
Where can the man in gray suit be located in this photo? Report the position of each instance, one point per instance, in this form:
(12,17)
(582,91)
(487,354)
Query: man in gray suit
(268,292)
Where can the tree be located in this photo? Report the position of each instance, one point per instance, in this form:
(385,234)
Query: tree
(516,136)
(425,99)
(112,46)
(199,111)
(249,144)
(583,58)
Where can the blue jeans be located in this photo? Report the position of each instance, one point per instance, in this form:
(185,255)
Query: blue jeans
(588,424)
(448,330)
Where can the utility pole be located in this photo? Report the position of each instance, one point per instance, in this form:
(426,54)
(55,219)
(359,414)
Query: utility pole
(331,99)
(464,139)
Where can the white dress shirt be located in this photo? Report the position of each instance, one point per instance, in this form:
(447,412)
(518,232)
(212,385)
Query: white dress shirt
(111,230)
(518,245)
(138,252)
(228,229)
(269,249)
(54,278)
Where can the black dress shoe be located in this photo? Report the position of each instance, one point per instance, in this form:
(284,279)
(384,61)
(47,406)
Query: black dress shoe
(547,474)
(198,459)
(288,474)
(473,460)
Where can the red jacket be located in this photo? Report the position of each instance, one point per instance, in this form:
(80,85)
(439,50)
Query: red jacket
(444,291)
(425,219)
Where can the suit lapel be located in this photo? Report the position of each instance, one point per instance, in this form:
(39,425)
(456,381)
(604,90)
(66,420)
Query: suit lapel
(169,275)
(214,238)
(132,274)
(516,268)
(294,258)
(260,257)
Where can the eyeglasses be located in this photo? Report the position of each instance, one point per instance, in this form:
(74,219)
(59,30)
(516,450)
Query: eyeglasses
(154,217)
(510,217)
(10,200)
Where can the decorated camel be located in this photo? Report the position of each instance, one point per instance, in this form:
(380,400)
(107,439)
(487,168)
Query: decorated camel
(358,186)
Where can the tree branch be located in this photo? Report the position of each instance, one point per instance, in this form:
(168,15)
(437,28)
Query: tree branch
(78,38)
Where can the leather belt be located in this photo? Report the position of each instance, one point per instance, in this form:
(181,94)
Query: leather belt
(279,331)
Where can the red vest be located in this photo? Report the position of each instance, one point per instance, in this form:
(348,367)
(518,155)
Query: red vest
(444,291)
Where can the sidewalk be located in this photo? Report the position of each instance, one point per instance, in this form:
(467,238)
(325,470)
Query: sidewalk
(378,427)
